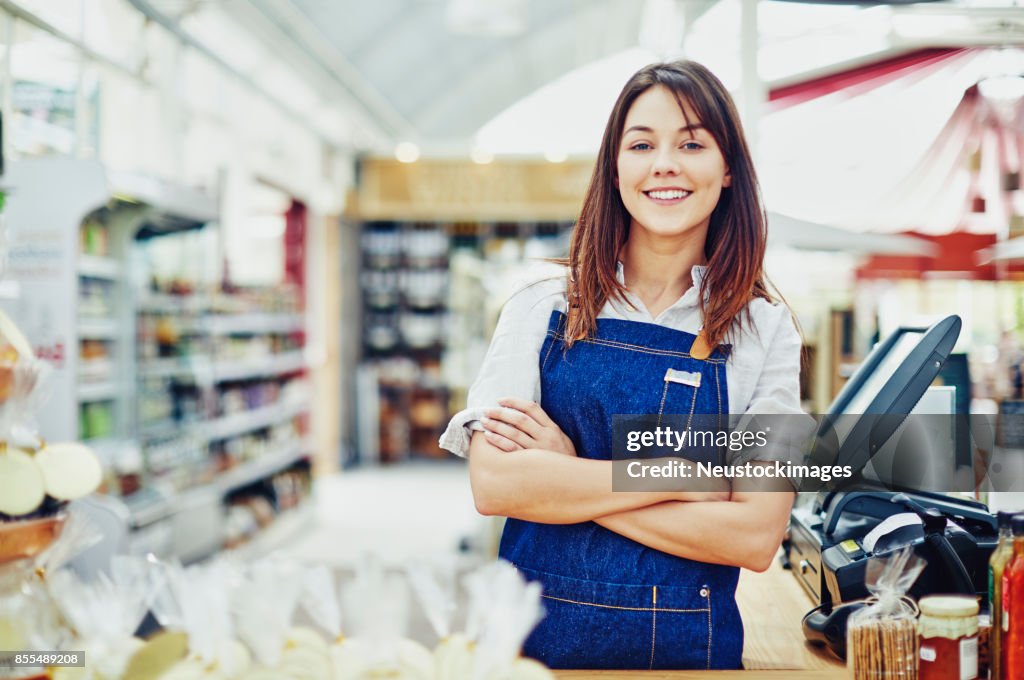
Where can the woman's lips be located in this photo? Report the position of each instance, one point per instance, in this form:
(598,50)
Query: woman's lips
(667,196)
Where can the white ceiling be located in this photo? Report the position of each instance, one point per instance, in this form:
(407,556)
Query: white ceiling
(416,71)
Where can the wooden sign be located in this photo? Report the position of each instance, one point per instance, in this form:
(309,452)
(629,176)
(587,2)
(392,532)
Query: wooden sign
(430,190)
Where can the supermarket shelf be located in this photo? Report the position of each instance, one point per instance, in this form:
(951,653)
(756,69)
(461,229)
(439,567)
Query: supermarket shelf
(164,430)
(203,369)
(262,467)
(173,304)
(198,366)
(286,362)
(100,391)
(95,369)
(255,419)
(240,324)
(149,505)
(284,527)
(97,329)
(106,448)
(96,267)
(226,427)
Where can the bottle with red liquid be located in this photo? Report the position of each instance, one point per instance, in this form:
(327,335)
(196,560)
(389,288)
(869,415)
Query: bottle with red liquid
(1012,652)
(997,564)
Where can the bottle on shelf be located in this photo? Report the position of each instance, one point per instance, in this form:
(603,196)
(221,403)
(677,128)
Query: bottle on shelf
(996,566)
(1012,636)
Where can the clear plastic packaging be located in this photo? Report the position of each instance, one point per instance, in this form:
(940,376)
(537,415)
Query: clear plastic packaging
(263,599)
(506,609)
(34,551)
(881,638)
(434,586)
(376,606)
(105,613)
(36,478)
(196,602)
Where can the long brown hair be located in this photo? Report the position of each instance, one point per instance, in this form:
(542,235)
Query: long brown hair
(737,232)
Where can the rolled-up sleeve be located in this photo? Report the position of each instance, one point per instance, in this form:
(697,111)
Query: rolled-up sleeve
(774,409)
(511,365)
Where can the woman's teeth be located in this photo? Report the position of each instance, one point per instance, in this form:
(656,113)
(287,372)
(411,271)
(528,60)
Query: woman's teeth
(669,194)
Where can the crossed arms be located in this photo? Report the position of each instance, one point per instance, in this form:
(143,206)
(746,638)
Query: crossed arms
(738,527)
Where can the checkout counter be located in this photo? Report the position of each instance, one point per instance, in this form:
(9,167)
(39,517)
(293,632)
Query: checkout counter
(900,497)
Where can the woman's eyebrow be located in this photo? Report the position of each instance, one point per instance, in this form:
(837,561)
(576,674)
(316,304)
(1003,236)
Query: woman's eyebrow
(644,128)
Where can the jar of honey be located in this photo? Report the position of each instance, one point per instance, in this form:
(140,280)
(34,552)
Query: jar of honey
(948,635)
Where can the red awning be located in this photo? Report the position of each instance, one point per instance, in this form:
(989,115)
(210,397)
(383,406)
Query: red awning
(956,258)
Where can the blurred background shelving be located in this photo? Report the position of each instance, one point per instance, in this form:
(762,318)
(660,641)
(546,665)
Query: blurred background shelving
(194,391)
(426,322)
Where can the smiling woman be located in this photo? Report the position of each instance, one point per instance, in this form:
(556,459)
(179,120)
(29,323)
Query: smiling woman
(663,309)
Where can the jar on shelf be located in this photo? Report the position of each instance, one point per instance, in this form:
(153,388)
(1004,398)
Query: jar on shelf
(948,633)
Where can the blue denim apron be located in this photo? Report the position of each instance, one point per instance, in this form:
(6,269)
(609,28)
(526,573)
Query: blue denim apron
(612,602)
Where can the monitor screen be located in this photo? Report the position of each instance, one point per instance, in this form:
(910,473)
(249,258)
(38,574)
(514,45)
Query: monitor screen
(885,388)
(877,379)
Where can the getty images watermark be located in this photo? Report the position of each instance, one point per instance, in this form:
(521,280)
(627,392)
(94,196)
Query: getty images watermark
(939,453)
(754,444)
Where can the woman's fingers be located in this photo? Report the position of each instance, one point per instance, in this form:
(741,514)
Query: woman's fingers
(515,418)
(530,408)
(503,443)
(509,432)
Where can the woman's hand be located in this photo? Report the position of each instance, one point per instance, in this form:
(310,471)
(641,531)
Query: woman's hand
(522,424)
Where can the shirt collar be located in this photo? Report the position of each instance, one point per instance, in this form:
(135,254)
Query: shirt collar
(696,273)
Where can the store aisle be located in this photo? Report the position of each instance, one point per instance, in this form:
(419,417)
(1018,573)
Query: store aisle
(396,513)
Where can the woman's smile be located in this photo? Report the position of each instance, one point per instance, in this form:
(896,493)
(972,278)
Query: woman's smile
(667,195)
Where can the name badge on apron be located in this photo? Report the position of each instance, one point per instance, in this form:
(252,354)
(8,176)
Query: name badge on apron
(683,377)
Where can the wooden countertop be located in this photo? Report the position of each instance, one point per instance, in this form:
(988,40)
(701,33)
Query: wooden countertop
(772,605)
(834,674)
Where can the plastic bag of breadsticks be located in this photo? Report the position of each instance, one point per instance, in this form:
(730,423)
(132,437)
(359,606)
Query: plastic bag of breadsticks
(881,638)
(506,609)
(22,383)
(433,584)
(376,610)
(104,614)
(195,609)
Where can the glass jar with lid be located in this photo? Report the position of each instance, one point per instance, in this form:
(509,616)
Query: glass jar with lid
(948,633)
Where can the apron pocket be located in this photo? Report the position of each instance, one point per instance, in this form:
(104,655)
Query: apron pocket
(595,625)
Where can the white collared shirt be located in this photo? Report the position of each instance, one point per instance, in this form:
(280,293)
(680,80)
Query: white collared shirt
(762,373)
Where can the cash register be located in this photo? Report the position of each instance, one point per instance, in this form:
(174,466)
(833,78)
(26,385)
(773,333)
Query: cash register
(833,534)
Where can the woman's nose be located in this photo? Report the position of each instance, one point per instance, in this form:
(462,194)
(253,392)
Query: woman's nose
(665,163)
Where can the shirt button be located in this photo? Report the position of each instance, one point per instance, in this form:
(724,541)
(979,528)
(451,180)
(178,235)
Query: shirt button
(704,592)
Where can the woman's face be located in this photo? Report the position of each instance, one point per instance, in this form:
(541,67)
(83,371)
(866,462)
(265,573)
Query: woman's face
(670,176)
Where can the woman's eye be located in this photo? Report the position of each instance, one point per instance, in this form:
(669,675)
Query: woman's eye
(640,146)
(692,146)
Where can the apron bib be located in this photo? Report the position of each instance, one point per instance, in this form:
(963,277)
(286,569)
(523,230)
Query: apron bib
(611,602)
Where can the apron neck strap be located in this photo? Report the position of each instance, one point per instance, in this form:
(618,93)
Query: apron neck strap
(700,349)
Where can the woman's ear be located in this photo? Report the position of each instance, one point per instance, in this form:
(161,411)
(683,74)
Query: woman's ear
(727,179)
